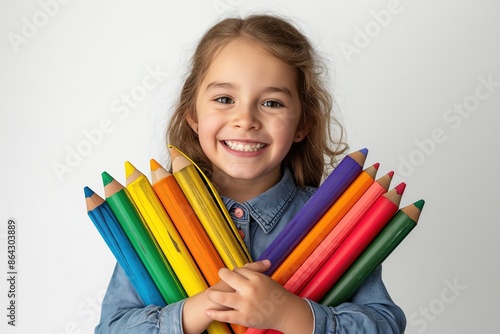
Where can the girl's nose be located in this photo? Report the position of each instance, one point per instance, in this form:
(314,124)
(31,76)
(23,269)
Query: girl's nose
(246,118)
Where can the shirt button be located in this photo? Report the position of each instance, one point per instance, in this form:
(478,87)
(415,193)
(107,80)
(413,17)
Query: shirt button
(238,212)
(242,234)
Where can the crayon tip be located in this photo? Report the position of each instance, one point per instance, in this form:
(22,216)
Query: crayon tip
(419,204)
(154,165)
(376,165)
(400,188)
(106,178)
(391,173)
(179,161)
(174,153)
(364,151)
(88,192)
(129,169)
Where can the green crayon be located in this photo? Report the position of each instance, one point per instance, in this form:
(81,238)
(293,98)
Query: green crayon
(400,225)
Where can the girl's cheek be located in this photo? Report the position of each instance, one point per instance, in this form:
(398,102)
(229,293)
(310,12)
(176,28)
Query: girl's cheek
(286,123)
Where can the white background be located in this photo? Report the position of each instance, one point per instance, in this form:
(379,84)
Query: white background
(65,68)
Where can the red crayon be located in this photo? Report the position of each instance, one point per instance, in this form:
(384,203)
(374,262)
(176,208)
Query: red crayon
(334,239)
(325,225)
(367,229)
(315,260)
(326,194)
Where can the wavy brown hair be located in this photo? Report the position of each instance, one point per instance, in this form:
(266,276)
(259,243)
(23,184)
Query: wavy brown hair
(309,159)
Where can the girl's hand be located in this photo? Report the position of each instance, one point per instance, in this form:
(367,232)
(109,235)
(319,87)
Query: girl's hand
(258,301)
(194,317)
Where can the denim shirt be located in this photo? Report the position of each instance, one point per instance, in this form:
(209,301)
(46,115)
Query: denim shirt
(260,219)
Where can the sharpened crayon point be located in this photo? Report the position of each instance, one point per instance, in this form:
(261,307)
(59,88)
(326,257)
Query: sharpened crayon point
(88,192)
(376,165)
(364,151)
(179,161)
(174,153)
(129,169)
(391,173)
(132,173)
(400,188)
(419,204)
(154,165)
(106,178)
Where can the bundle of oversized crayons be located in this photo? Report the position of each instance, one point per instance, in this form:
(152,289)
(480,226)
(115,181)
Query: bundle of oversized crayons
(173,234)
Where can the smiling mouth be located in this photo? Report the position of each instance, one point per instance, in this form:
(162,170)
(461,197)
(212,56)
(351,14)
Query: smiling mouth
(244,147)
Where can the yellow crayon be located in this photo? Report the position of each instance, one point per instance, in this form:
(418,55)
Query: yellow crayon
(164,231)
(220,230)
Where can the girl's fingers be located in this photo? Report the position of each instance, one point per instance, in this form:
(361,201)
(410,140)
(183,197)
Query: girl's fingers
(250,270)
(238,278)
(254,319)
(259,266)
(222,316)
(232,278)
(227,299)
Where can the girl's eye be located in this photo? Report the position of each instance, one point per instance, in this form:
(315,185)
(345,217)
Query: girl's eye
(272,104)
(224,100)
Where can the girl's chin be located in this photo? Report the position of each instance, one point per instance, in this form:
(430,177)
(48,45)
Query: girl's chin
(249,174)
(238,175)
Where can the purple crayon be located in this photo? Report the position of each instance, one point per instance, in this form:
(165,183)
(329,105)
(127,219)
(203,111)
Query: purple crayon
(326,194)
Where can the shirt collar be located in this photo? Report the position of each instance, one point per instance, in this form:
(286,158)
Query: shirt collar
(268,208)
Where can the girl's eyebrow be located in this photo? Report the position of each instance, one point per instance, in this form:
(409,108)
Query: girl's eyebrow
(283,90)
(216,84)
(270,89)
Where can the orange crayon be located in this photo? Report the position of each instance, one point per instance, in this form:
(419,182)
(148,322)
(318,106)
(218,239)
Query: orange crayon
(373,221)
(327,222)
(337,235)
(186,222)
(164,231)
(210,211)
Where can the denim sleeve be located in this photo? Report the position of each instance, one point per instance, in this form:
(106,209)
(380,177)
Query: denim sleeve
(123,311)
(370,310)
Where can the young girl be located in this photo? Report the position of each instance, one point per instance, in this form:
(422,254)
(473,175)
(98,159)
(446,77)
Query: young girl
(253,113)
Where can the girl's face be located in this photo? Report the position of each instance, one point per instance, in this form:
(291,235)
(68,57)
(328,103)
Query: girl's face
(248,110)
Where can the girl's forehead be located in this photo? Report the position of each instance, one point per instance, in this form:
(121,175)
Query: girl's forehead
(241,45)
(242,57)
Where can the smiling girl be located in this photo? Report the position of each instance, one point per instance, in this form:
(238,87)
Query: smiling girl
(254,115)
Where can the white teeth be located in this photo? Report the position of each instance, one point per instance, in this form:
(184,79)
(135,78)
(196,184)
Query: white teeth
(244,147)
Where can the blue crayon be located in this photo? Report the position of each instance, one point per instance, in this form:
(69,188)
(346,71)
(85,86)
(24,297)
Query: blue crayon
(108,226)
